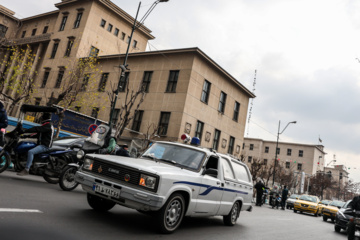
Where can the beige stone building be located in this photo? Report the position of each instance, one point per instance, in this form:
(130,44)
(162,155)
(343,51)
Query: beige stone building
(186,91)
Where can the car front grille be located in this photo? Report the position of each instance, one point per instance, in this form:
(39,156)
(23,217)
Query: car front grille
(116,172)
(304,205)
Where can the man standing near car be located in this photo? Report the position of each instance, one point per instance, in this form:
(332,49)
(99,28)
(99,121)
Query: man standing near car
(259,186)
(284,196)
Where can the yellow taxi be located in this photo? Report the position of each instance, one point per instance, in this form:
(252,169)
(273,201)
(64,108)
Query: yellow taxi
(322,204)
(331,210)
(307,203)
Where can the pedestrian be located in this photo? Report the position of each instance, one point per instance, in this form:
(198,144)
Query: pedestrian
(284,196)
(123,151)
(44,134)
(259,186)
(3,123)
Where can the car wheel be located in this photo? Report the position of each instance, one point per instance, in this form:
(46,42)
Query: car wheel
(317,213)
(100,204)
(332,220)
(337,228)
(231,218)
(295,211)
(300,212)
(171,214)
(324,218)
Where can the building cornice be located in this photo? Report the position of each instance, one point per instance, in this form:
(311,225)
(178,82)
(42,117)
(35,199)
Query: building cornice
(185,50)
(40,15)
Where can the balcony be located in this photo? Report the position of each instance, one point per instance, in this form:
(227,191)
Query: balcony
(29,40)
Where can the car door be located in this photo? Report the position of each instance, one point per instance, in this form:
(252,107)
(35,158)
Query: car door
(210,192)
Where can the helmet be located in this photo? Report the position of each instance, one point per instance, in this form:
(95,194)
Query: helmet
(125,146)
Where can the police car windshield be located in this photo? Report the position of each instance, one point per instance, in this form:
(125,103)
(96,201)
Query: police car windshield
(182,156)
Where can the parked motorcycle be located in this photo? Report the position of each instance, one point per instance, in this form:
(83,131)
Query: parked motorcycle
(91,145)
(48,164)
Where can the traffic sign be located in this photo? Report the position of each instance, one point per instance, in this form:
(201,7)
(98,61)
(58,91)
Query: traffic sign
(92,128)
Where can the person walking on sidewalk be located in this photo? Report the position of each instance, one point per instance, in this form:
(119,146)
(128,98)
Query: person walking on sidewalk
(44,134)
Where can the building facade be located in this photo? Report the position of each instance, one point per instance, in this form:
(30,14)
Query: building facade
(186,91)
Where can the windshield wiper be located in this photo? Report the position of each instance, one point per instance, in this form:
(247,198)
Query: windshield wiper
(149,156)
(168,160)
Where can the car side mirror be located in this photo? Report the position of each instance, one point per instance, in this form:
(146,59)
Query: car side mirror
(211,172)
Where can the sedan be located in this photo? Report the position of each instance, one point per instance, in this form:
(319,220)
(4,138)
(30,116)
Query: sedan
(307,203)
(290,201)
(343,216)
(331,210)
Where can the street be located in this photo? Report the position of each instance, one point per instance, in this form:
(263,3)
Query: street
(30,207)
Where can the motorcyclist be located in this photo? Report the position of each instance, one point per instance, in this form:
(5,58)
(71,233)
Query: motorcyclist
(44,134)
(123,151)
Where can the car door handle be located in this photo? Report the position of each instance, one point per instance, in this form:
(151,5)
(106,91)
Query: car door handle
(218,183)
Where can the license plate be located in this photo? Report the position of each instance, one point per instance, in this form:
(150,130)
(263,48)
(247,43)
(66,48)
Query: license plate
(108,191)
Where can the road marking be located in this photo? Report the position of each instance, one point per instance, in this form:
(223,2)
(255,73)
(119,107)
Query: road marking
(20,210)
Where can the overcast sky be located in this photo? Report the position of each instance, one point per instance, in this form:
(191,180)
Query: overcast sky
(305,53)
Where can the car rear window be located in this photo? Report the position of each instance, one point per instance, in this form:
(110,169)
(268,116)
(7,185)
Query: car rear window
(241,172)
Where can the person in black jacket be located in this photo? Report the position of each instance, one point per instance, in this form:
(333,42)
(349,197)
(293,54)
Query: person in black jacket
(3,122)
(44,134)
(123,151)
(260,187)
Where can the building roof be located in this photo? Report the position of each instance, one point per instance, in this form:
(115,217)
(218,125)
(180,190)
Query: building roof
(194,50)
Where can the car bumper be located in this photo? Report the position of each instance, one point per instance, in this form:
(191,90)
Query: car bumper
(302,209)
(290,205)
(129,197)
(341,222)
(329,215)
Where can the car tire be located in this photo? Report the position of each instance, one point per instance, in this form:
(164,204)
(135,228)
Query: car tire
(332,220)
(316,214)
(325,218)
(295,211)
(231,218)
(170,216)
(99,204)
(337,228)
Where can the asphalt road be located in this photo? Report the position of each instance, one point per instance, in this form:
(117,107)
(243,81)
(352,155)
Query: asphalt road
(30,208)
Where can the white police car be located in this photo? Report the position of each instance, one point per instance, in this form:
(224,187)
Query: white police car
(170,181)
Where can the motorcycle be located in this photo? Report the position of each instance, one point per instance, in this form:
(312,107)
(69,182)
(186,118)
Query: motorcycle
(92,144)
(48,164)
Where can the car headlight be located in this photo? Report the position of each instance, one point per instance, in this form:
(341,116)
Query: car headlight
(297,204)
(147,181)
(80,154)
(88,164)
(313,207)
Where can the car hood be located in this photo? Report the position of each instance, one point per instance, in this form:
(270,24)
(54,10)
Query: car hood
(331,208)
(307,203)
(145,165)
(291,200)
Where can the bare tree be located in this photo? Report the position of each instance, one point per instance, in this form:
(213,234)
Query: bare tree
(319,182)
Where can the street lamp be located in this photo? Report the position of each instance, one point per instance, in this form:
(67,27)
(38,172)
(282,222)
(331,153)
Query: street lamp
(123,67)
(277,143)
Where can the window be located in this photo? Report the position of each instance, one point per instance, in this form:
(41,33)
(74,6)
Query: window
(110,27)
(78,19)
(222,102)
(287,165)
(301,153)
(134,44)
(45,78)
(199,130)
(289,152)
(3,30)
(23,34)
(115,116)
(240,172)
(265,161)
(123,82)
(123,35)
(164,123)
(205,92)
(33,32)
(277,150)
(236,111)
(37,101)
(95,112)
(69,46)
(94,52)
(251,147)
(216,139)
(103,23)
(116,32)
(266,149)
(85,82)
(63,22)
(137,120)
(249,159)
(243,146)
(172,81)
(53,52)
(227,169)
(299,167)
(128,40)
(59,78)
(77,108)
(231,145)
(146,81)
(45,29)
(103,80)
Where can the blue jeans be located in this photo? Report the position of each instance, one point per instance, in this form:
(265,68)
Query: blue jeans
(36,150)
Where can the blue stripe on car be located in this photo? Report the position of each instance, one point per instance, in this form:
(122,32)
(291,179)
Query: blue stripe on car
(209,188)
